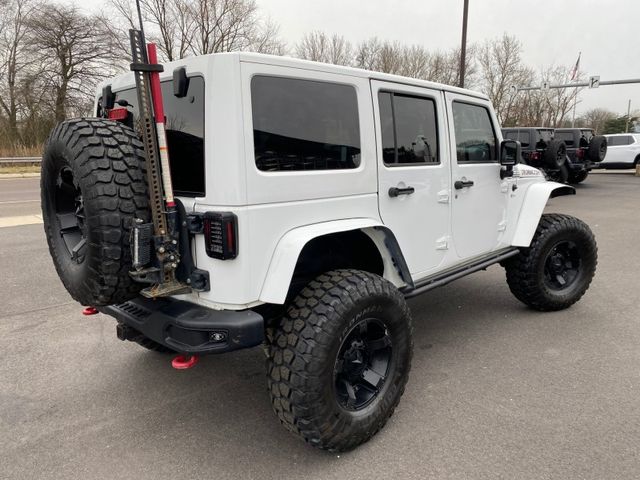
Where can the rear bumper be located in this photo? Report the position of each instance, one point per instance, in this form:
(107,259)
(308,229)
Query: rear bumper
(186,327)
(580,165)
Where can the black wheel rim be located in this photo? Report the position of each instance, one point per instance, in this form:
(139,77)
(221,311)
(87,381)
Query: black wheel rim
(70,216)
(562,265)
(362,365)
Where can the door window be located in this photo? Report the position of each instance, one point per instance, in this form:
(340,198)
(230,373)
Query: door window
(409,129)
(475,137)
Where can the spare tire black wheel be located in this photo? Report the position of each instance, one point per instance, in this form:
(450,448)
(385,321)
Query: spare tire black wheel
(597,148)
(93,186)
(555,155)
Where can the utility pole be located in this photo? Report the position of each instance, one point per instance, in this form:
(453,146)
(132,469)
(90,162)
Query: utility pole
(463,47)
(626,128)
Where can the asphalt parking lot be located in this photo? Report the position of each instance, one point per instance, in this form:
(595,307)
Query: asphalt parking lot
(496,390)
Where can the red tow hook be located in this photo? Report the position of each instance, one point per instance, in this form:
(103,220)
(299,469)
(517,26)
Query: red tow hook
(89,310)
(183,362)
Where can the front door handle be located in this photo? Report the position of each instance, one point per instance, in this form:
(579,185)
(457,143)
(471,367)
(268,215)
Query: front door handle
(395,191)
(460,184)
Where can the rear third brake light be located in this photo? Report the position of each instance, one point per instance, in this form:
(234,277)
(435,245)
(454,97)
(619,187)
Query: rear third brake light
(221,235)
(118,114)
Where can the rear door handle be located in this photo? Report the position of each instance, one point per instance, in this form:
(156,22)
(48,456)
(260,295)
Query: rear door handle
(395,191)
(460,184)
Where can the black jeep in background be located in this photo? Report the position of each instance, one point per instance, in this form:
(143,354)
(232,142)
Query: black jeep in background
(541,150)
(584,148)
(565,155)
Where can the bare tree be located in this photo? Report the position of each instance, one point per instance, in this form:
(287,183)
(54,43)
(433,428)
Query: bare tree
(76,50)
(182,28)
(13,60)
(320,47)
(559,102)
(596,118)
(501,67)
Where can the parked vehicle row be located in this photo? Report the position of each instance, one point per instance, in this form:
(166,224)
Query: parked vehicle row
(565,155)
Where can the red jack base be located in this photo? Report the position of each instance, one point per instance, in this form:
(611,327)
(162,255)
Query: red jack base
(182,362)
(89,311)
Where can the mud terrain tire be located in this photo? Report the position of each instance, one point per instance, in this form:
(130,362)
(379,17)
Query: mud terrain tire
(93,185)
(309,366)
(556,270)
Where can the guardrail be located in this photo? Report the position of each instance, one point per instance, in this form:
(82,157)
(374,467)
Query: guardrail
(17,160)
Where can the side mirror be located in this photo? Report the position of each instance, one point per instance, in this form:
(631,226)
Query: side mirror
(510,152)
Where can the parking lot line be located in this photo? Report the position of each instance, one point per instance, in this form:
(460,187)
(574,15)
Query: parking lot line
(20,220)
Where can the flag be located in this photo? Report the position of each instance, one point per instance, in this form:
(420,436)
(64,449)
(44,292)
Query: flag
(574,72)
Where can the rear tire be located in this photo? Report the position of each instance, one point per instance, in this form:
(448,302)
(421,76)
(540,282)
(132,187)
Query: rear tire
(560,174)
(578,177)
(557,269)
(340,359)
(93,186)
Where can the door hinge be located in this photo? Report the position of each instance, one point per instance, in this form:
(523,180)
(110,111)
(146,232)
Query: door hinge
(442,243)
(444,196)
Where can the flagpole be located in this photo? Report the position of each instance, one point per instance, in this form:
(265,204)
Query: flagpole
(575,92)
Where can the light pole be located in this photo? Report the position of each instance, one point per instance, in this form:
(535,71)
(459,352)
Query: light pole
(463,47)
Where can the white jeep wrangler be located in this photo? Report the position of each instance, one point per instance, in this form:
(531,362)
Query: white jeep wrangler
(312,200)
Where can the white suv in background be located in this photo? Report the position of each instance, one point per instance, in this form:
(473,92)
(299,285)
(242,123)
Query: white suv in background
(623,151)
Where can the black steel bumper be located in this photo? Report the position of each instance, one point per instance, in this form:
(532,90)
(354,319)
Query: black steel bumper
(186,327)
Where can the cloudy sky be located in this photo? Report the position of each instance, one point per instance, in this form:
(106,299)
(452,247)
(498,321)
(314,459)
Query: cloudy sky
(607,32)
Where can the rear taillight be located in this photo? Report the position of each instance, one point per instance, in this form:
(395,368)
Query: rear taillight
(118,114)
(221,235)
(580,153)
(534,156)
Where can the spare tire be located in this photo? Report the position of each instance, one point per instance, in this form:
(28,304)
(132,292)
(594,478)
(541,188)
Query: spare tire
(555,155)
(93,186)
(597,148)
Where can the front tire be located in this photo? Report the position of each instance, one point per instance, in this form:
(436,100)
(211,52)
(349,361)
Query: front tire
(557,269)
(578,177)
(340,359)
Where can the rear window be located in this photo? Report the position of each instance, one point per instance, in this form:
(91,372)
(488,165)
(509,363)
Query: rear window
(566,137)
(524,137)
(587,134)
(546,134)
(185,134)
(304,124)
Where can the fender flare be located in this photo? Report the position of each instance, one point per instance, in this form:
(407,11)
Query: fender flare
(532,207)
(288,249)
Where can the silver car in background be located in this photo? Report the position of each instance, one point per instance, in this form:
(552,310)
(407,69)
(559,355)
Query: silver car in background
(623,151)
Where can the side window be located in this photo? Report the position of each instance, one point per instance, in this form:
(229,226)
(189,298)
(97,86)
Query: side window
(475,138)
(304,124)
(409,129)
